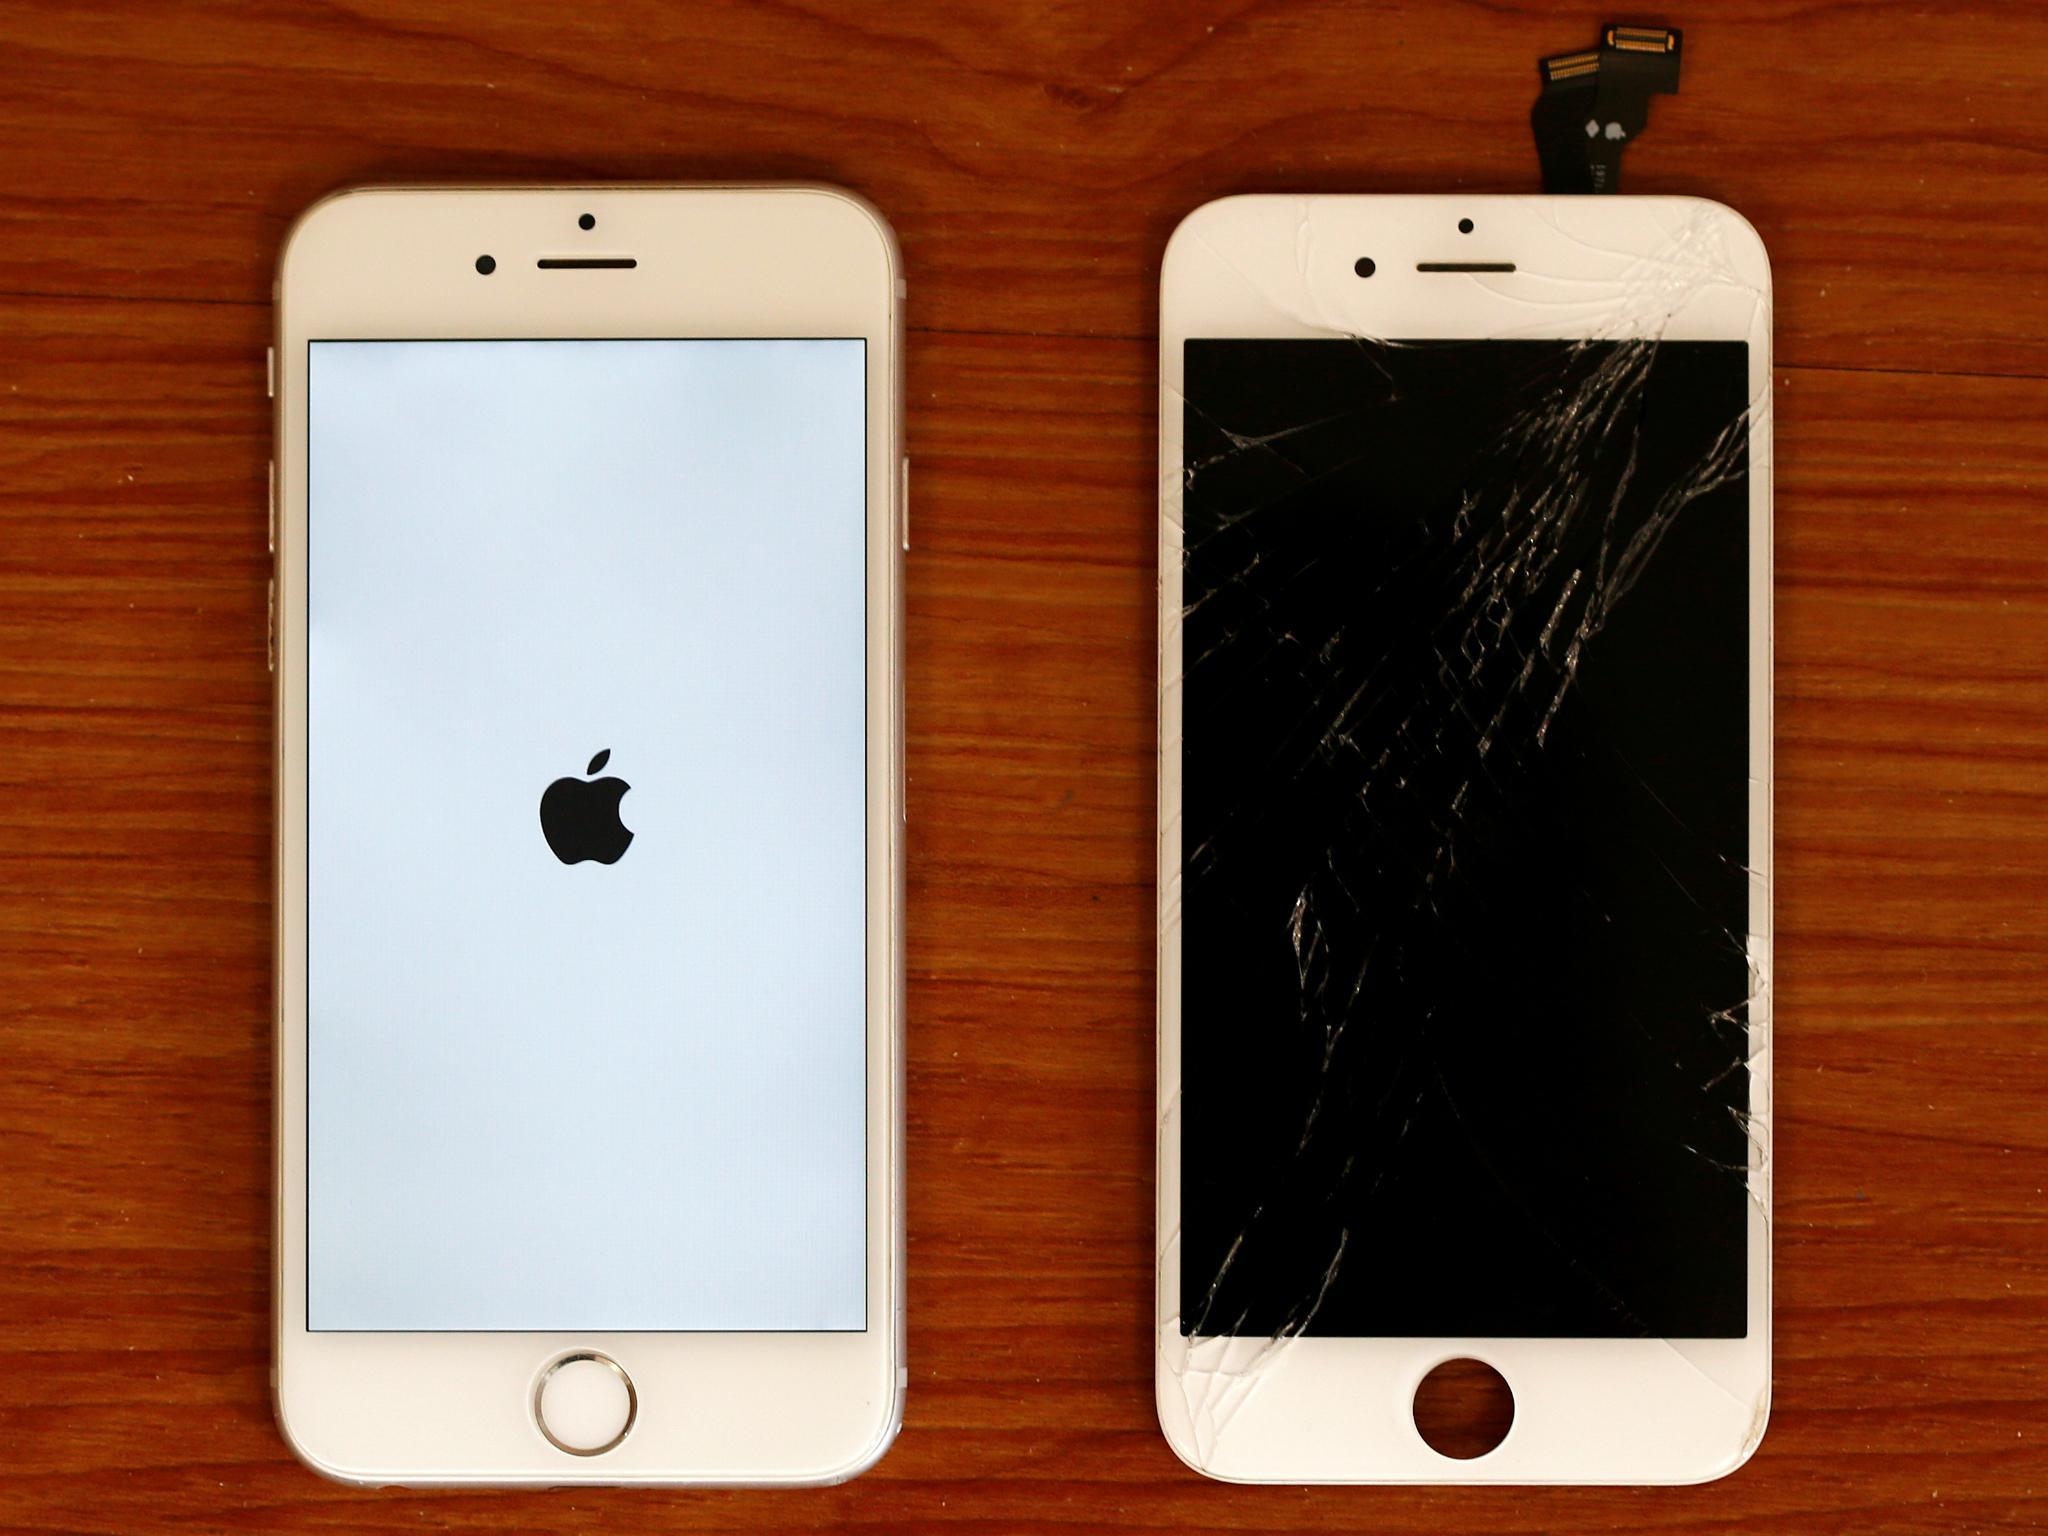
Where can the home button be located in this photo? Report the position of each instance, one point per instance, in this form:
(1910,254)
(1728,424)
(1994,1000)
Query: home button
(585,1403)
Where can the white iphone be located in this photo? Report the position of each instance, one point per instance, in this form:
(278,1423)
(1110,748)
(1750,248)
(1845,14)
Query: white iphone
(589,863)
(1464,835)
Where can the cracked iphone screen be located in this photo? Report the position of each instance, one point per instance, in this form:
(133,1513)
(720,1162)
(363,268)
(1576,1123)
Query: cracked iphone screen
(1465,832)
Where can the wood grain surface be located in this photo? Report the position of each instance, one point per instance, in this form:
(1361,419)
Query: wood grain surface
(1033,158)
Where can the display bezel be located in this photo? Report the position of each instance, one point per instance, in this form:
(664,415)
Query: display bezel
(1325,1409)
(726,262)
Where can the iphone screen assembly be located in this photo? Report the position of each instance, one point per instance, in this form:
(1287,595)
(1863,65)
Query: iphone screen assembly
(1465,834)
(588,836)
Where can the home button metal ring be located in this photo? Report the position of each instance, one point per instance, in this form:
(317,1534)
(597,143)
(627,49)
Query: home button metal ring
(585,1403)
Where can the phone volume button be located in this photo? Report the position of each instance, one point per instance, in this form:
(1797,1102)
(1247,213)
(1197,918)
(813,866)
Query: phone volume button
(273,506)
(270,627)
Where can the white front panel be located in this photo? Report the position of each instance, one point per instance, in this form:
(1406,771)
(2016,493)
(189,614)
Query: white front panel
(808,1402)
(1294,1408)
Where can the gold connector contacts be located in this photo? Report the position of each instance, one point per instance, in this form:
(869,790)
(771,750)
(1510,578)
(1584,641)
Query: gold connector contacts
(1567,65)
(1641,39)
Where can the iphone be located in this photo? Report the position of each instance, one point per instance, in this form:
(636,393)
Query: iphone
(1464,835)
(587,633)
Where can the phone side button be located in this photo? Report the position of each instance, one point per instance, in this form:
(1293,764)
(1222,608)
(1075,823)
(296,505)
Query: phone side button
(273,506)
(904,497)
(270,373)
(270,626)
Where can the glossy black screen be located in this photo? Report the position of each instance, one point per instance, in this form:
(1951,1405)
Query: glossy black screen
(1465,827)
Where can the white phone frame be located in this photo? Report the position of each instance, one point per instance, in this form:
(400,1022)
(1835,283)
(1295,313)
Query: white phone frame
(1313,1409)
(713,261)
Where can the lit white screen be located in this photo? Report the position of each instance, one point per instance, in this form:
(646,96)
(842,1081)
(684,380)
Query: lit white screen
(586,1096)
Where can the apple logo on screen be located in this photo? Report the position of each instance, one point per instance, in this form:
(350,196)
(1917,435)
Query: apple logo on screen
(580,817)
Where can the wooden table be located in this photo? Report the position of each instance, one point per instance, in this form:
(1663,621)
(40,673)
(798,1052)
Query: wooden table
(1033,158)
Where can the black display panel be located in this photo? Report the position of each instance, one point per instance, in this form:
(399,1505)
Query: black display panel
(1463,969)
